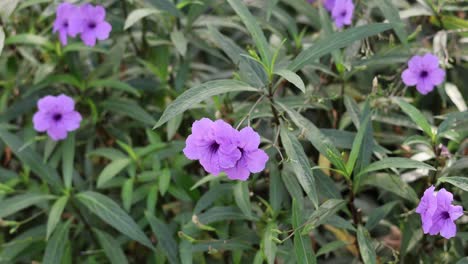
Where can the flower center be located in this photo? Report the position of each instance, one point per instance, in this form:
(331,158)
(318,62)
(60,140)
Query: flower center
(57,117)
(343,13)
(92,25)
(65,24)
(214,147)
(423,74)
(445,215)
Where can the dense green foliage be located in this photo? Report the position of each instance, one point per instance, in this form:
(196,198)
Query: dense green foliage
(351,148)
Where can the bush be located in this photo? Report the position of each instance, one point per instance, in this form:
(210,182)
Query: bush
(233,132)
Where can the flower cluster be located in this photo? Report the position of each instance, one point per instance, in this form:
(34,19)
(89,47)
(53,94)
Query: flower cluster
(219,147)
(424,72)
(438,215)
(341,11)
(86,20)
(57,116)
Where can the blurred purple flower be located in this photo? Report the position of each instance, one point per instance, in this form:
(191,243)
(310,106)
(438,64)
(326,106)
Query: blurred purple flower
(212,144)
(93,24)
(427,207)
(424,72)
(311,1)
(57,116)
(67,22)
(342,12)
(444,217)
(252,160)
(329,4)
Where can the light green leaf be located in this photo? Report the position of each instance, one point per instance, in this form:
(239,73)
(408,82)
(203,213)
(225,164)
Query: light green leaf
(416,116)
(451,89)
(2,39)
(335,41)
(14,204)
(268,242)
(379,214)
(165,5)
(241,195)
(199,93)
(320,216)
(292,78)
(457,181)
(7,7)
(29,39)
(180,42)
(394,184)
(365,246)
(398,163)
(302,245)
(111,170)
(55,249)
(111,213)
(138,14)
(357,145)
(55,214)
(165,238)
(129,108)
(115,84)
(68,152)
(164,181)
(392,14)
(111,247)
(220,213)
(127,194)
(330,247)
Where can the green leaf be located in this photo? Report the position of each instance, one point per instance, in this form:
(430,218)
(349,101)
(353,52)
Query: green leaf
(300,164)
(220,213)
(14,204)
(268,242)
(111,170)
(165,238)
(394,184)
(2,39)
(127,194)
(253,27)
(56,245)
(30,158)
(138,14)
(320,216)
(392,14)
(199,93)
(379,214)
(29,39)
(209,197)
(292,78)
(400,163)
(165,5)
(111,247)
(55,214)
(302,245)
(365,246)
(114,84)
(356,149)
(164,181)
(335,41)
(110,212)
(330,247)
(457,181)
(242,197)
(180,42)
(129,108)
(68,152)
(416,116)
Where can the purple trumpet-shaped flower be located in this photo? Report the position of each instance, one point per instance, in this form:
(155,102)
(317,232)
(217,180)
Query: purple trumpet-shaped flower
(443,219)
(67,22)
(212,143)
(424,72)
(252,160)
(342,12)
(427,207)
(93,24)
(57,116)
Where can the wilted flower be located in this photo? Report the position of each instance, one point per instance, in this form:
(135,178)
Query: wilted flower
(424,72)
(252,160)
(67,22)
(219,147)
(94,25)
(438,215)
(57,116)
(342,12)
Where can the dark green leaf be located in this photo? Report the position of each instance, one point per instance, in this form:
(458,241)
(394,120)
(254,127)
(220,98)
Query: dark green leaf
(416,116)
(392,14)
(14,204)
(379,214)
(55,249)
(326,210)
(401,163)
(111,247)
(165,238)
(365,246)
(302,245)
(460,182)
(56,214)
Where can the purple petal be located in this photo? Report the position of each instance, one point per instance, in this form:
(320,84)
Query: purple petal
(72,120)
(430,61)
(63,37)
(448,229)
(191,150)
(99,13)
(437,76)
(455,211)
(228,155)
(210,162)
(409,77)
(437,222)
(41,121)
(103,30)
(426,225)
(249,139)
(415,63)
(46,103)
(66,103)
(89,39)
(57,132)
(329,4)
(424,86)
(256,160)
(444,199)
(239,172)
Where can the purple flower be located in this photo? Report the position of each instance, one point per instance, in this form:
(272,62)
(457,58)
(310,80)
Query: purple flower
(329,4)
(252,158)
(57,116)
(212,143)
(342,12)
(424,72)
(67,22)
(93,24)
(427,207)
(444,217)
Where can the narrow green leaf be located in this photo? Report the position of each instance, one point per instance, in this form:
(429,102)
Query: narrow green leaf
(29,39)
(209,197)
(302,245)
(336,41)
(392,14)
(68,152)
(242,197)
(330,247)
(394,184)
(165,5)
(14,204)
(111,170)
(379,214)
(220,213)
(114,84)
(320,216)
(111,213)
(300,164)
(180,42)
(55,214)
(365,246)
(268,242)
(129,108)
(457,181)
(111,247)
(138,14)
(416,116)
(292,78)
(2,39)
(357,144)
(199,93)
(165,238)
(56,245)
(397,163)
(127,194)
